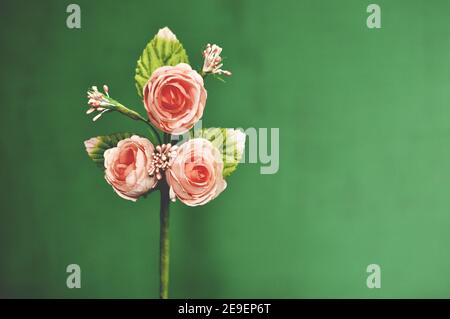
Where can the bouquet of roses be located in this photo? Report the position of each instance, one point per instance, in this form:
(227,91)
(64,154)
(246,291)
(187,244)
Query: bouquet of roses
(192,170)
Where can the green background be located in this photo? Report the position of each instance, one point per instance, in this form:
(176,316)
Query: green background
(364,118)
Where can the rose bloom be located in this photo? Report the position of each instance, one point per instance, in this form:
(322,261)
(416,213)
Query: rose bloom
(195,175)
(127,167)
(174,98)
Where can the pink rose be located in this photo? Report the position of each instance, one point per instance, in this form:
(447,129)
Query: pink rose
(174,98)
(195,175)
(127,167)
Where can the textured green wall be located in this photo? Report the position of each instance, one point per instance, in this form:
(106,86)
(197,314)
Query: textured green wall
(364,118)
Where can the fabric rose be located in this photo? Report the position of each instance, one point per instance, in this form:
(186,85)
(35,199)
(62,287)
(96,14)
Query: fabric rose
(174,98)
(127,167)
(195,175)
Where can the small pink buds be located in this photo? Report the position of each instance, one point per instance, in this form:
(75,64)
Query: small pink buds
(213,61)
(98,101)
(162,159)
(106,90)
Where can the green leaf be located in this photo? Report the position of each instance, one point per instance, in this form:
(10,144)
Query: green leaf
(164,49)
(96,146)
(229,142)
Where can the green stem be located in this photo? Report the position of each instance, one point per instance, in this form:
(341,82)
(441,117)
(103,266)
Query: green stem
(164,241)
(155,132)
(167,138)
(117,106)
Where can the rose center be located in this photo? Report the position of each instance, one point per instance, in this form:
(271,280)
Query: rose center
(126,162)
(199,174)
(173,97)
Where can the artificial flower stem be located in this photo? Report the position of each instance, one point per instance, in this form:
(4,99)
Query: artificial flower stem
(117,106)
(155,132)
(167,138)
(164,241)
